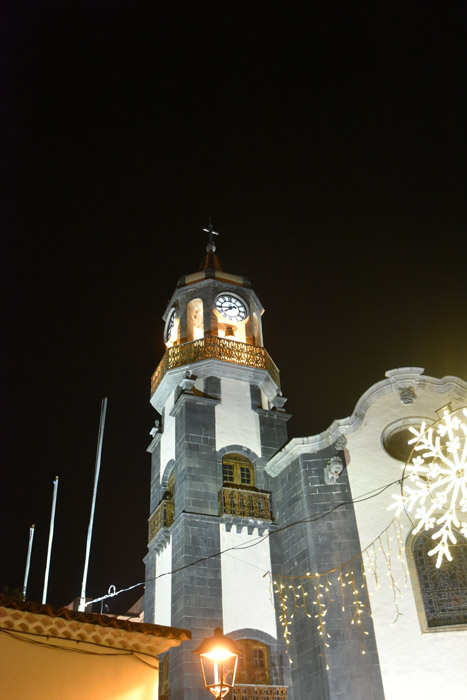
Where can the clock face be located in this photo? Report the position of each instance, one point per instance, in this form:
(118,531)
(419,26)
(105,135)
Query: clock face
(170,326)
(231,307)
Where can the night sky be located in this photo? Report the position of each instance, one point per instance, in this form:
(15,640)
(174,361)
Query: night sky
(327,141)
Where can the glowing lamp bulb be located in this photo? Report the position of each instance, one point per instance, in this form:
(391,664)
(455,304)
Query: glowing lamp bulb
(218,657)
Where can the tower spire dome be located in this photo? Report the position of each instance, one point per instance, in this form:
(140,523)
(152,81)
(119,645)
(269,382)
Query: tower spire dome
(210,260)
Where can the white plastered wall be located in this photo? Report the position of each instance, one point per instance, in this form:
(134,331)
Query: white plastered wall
(414,665)
(35,671)
(247,596)
(163,586)
(168,436)
(236,421)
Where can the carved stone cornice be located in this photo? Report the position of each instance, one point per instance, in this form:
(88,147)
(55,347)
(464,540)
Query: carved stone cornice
(396,379)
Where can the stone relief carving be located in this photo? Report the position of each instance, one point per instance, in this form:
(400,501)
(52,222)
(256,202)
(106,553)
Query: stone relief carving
(278,402)
(407,395)
(341,443)
(333,469)
(155,429)
(188,381)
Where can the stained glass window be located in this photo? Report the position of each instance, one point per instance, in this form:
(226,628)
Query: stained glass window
(443,590)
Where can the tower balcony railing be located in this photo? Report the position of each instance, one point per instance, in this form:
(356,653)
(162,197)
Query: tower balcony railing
(214,348)
(260,692)
(162,517)
(245,503)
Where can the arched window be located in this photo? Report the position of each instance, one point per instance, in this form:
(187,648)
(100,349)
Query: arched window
(442,593)
(172,327)
(238,470)
(195,320)
(253,662)
(238,496)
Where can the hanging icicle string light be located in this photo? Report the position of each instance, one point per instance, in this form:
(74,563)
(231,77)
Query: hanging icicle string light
(321,610)
(372,563)
(359,607)
(340,578)
(285,620)
(311,592)
(395,588)
(362,606)
(400,555)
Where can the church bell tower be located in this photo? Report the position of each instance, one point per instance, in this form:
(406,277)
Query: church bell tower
(209,558)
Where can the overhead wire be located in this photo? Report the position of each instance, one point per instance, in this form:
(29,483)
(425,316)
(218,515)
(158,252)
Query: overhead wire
(317,516)
(25,637)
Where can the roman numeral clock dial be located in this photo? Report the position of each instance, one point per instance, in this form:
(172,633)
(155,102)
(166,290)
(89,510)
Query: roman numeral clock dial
(170,327)
(231,307)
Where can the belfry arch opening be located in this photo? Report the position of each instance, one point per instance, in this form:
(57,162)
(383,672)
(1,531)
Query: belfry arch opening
(256,330)
(195,320)
(169,492)
(231,331)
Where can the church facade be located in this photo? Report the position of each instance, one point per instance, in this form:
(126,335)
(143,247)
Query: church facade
(283,544)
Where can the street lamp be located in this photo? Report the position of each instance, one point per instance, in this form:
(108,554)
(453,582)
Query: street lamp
(218,656)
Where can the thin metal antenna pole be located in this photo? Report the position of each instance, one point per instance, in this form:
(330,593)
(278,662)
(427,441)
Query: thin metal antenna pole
(82,599)
(28,560)
(51,536)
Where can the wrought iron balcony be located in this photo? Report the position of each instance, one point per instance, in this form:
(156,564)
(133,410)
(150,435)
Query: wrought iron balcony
(260,692)
(213,348)
(245,503)
(163,516)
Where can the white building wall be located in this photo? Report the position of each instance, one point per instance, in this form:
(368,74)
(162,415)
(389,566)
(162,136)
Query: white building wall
(414,665)
(168,436)
(247,595)
(236,421)
(69,668)
(163,586)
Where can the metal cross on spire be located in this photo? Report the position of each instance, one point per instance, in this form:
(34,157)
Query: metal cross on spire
(210,246)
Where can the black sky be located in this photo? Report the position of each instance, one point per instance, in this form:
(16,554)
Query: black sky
(326,141)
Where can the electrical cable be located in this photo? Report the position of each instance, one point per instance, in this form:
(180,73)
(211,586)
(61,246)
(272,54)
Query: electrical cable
(122,652)
(318,516)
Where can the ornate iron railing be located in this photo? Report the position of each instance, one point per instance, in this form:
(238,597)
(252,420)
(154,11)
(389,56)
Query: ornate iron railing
(259,692)
(245,503)
(214,348)
(163,516)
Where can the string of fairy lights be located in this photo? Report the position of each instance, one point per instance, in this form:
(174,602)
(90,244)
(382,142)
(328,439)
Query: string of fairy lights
(314,593)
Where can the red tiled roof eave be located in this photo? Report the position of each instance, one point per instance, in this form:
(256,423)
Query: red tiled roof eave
(94,619)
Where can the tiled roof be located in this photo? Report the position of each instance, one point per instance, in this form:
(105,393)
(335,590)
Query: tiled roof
(94,619)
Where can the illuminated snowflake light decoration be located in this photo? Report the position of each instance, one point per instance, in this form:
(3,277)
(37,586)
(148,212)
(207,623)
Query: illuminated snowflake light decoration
(434,485)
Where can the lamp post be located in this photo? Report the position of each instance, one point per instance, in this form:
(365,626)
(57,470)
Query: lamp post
(218,656)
